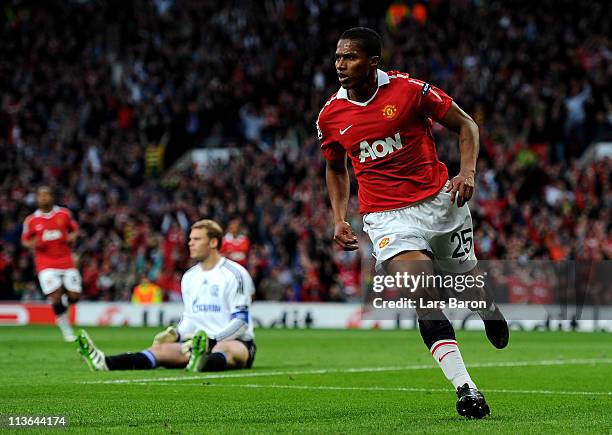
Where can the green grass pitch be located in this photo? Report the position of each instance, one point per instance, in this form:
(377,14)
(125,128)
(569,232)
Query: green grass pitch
(316,381)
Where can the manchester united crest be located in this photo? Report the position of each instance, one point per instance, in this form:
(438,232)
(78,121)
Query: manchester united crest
(390,111)
(384,242)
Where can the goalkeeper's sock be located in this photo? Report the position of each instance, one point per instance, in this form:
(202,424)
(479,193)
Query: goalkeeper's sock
(144,360)
(216,362)
(439,337)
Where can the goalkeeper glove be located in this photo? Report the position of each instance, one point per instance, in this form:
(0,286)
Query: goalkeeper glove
(169,335)
(186,345)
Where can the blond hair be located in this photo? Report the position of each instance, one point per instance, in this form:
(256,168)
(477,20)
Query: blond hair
(212,228)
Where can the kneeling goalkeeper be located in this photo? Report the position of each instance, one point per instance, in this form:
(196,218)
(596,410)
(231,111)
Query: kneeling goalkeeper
(215,332)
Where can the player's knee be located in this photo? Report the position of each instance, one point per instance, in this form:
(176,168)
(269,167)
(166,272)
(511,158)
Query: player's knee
(236,363)
(168,355)
(434,328)
(55,297)
(235,354)
(236,360)
(162,349)
(411,262)
(73,297)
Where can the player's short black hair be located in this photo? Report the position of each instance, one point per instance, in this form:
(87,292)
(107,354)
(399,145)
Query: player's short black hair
(46,187)
(369,40)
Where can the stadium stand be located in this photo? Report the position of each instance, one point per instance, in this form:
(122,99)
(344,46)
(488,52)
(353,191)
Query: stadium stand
(100,98)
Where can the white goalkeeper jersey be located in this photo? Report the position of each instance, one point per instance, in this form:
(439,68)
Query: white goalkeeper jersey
(212,298)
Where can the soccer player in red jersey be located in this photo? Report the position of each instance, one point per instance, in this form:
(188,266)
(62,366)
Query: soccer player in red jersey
(415,216)
(49,232)
(236,245)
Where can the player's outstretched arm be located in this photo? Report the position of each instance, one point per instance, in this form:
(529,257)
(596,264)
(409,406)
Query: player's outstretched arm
(339,189)
(462,186)
(233,330)
(28,236)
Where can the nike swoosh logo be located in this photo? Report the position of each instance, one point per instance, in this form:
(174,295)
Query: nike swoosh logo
(440,359)
(345,130)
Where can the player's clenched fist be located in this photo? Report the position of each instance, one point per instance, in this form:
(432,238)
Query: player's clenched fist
(461,188)
(345,237)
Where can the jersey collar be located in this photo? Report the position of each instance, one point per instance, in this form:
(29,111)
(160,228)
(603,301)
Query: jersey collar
(382,78)
(217,265)
(40,213)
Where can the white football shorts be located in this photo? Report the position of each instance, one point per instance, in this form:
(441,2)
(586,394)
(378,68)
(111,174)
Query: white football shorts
(433,224)
(52,279)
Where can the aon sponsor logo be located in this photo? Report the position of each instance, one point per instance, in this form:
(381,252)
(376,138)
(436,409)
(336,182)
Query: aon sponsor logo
(51,235)
(379,148)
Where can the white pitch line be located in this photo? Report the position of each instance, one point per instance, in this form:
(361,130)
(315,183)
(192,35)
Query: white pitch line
(249,374)
(402,389)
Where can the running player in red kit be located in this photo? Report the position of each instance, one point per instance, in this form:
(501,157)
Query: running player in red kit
(412,211)
(49,232)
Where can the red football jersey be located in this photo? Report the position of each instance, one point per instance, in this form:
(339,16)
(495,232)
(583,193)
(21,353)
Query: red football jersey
(236,248)
(542,292)
(518,291)
(388,139)
(51,232)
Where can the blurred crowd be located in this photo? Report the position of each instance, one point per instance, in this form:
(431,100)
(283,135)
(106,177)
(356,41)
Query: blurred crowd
(98,99)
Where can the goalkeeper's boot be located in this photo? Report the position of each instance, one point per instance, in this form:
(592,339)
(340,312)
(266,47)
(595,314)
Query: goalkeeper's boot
(471,403)
(94,357)
(496,328)
(199,352)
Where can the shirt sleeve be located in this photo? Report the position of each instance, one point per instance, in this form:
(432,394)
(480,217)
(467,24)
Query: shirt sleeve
(331,149)
(28,231)
(72,223)
(239,293)
(434,102)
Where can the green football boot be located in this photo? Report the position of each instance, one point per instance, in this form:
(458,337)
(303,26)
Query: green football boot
(199,352)
(94,357)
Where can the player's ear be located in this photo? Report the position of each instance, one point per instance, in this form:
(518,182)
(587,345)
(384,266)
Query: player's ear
(375,61)
(214,243)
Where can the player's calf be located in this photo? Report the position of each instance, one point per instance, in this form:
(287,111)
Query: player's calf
(496,328)
(73,297)
(164,355)
(495,324)
(144,360)
(59,304)
(169,355)
(439,337)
